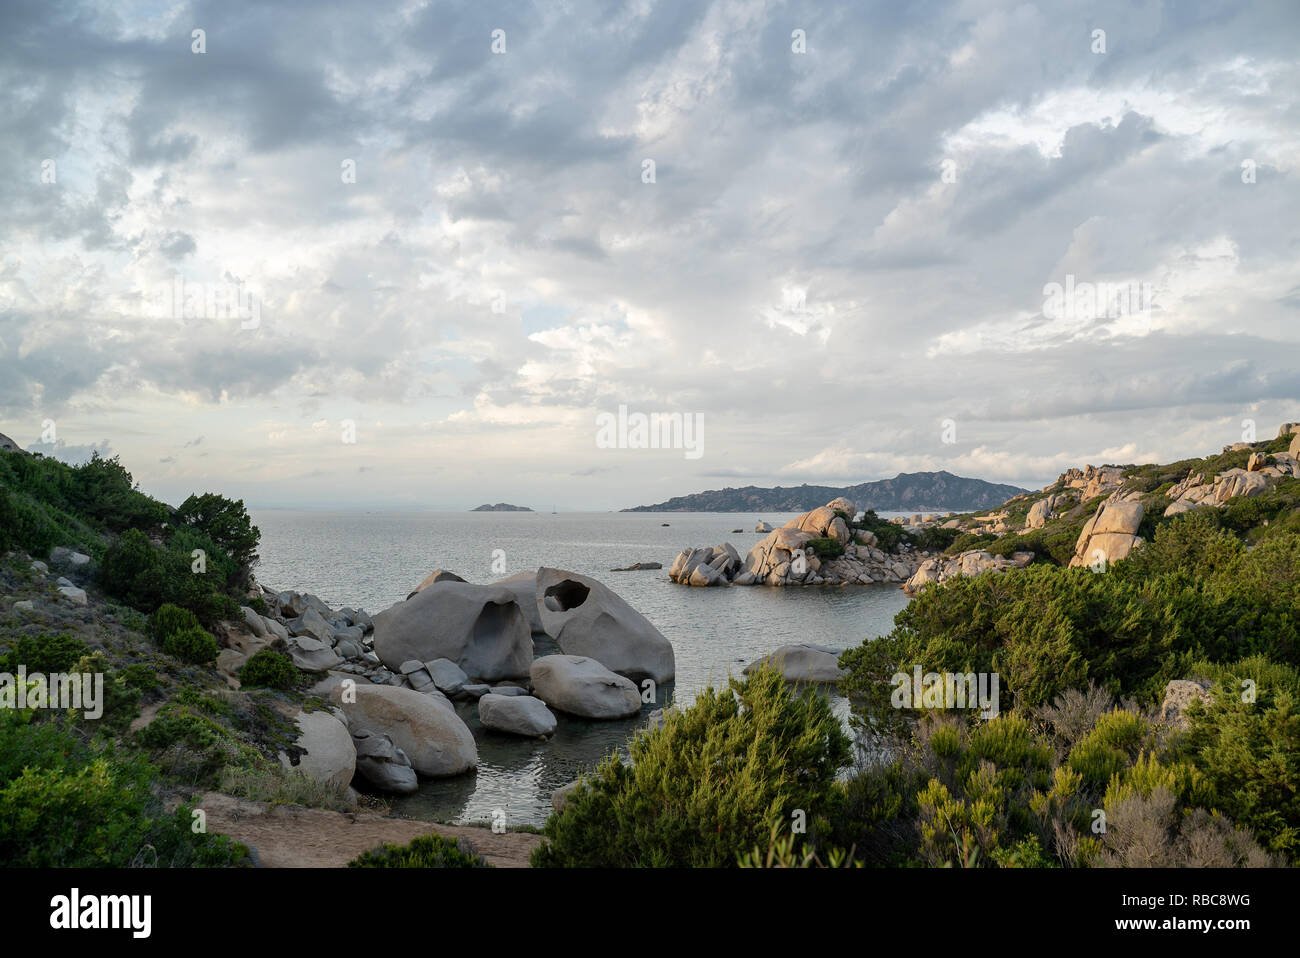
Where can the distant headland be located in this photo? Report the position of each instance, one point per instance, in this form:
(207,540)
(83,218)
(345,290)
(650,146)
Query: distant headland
(500,507)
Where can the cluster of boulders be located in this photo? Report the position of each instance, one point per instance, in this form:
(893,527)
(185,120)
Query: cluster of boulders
(1259,475)
(67,561)
(395,680)
(783,556)
(969,563)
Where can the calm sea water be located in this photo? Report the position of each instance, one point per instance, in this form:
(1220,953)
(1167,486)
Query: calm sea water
(371,560)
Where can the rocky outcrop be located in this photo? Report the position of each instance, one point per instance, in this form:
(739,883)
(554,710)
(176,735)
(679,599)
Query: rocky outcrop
(1109,536)
(582,686)
(516,715)
(969,563)
(1258,477)
(479,627)
(1091,481)
(783,557)
(425,727)
(323,750)
(587,618)
(803,663)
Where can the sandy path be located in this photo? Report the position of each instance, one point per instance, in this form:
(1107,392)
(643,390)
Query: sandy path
(293,837)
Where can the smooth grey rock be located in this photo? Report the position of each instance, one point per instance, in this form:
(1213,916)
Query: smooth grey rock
(275,628)
(25,605)
(312,623)
(516,714)
(312,655)
(804,663)
(383,764)
(63,556)
(447,675)
(508,690)
(349,649)
(425,727)
(479,627)
(73,594)
(328,754)
(253,621)
(475,691)
(582,686)
(40,568)
(409,666)
(594,621)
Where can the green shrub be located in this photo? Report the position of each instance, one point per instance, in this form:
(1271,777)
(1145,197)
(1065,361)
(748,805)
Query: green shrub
(44,653)
(194,645)
(1250,750)
(258,605)
(825,548)
(889,535)
(270,669)
(227,524)
(709,785)
(427,851)
(168,620)
(132,570)
(65,803)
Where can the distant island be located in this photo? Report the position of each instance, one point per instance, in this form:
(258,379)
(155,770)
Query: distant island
(500,507)
(906,492)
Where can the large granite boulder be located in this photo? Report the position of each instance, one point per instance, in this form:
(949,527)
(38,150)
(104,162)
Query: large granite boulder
(804,663)
(311,623)
(582,686)
(326,752)
(425,727)
(593,621)
(516,714)
(1110,535)
(524,586)
(479,627)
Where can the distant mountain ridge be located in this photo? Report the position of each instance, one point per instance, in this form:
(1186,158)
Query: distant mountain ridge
(906,492)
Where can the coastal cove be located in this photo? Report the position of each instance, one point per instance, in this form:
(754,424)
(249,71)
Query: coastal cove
(371,560)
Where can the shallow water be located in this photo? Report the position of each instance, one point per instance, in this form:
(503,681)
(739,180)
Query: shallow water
(372,560)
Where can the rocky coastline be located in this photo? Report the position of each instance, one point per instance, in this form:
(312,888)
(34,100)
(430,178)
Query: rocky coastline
(819,547)
(530,651)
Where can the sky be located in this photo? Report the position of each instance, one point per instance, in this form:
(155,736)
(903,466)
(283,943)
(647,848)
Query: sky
(407,254)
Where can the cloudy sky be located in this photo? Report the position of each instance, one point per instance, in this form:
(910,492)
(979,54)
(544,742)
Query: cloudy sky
(393,223)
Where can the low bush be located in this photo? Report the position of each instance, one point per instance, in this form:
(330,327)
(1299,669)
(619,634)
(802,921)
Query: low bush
(269,669)
(427,851)
(708,786)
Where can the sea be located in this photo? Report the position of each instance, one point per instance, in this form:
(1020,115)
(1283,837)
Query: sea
(371,560)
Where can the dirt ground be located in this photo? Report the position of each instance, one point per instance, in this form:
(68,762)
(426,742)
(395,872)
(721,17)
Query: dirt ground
(292,837)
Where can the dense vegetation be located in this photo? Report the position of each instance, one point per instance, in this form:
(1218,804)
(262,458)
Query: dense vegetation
(709,785)
(78,791)
(1199,601)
